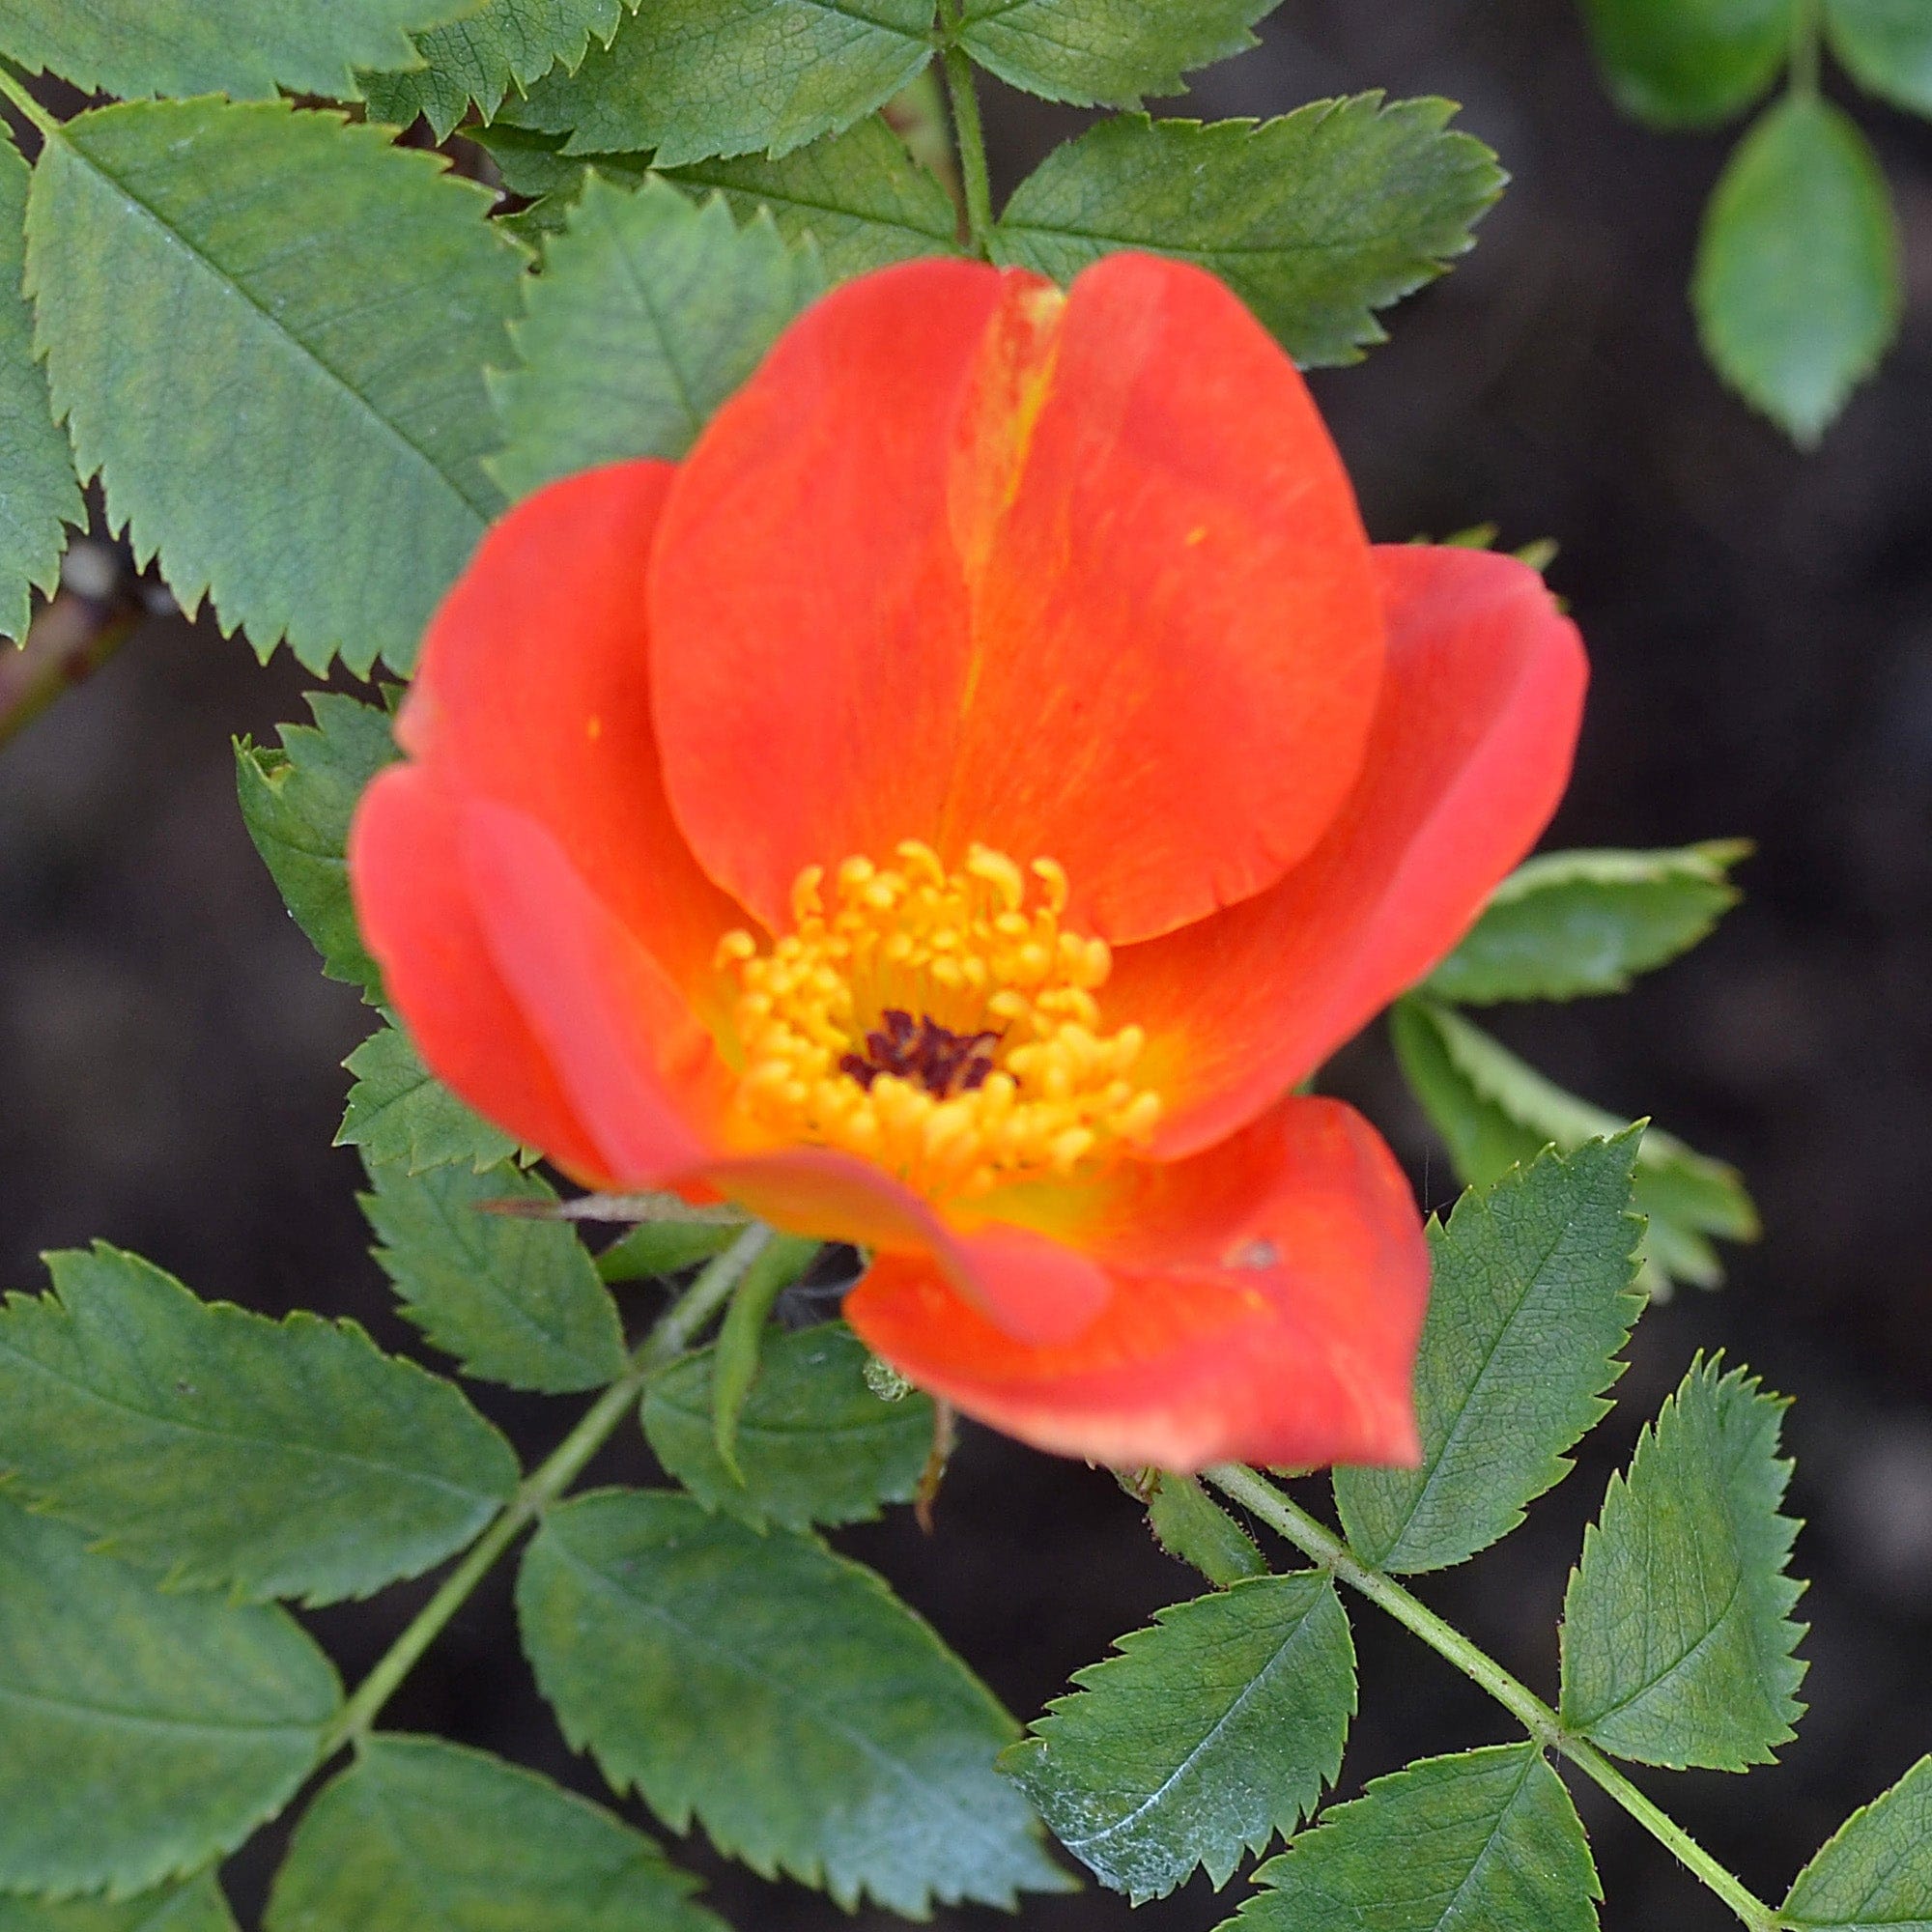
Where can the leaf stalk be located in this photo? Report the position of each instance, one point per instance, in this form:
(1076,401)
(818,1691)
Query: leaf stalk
(971,137)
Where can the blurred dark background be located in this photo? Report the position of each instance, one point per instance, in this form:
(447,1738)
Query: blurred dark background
(1761,629)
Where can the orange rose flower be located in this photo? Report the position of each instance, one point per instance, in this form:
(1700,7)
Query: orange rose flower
(950,810)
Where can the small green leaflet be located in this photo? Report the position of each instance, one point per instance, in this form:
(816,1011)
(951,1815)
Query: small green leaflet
(1887,48)
(649,313)
(342,509)
(1213,1729)
(1193,1528)
(515,1300)
(418,1834)
(1485,1841)
(146,1733)
(1104,52)
(241,47)
(1798,286)
(1677,1636)
(813,1443)
(693,78)
(195,1906)
(1530,1304)
(1314,220)
(1875,1875)
(656,1248)
(741,1336)
(1495,1112)
(1689,62)
(399,1112)
(280,1459)
(297,804)
(782,1694)
(1571,922)
(482,57)
(37,493)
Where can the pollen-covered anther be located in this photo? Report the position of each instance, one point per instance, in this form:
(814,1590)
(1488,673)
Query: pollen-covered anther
(941,1023)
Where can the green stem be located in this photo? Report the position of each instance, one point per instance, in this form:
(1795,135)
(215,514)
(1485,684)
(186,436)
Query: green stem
(681,1323)
(972,139)
(16,90)
(65,645)
(1316,1539)
(1805,49)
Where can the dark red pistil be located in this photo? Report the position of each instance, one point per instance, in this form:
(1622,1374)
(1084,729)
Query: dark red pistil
(921,1050)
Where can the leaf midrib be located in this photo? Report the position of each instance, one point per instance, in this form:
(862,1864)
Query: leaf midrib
(145,1720)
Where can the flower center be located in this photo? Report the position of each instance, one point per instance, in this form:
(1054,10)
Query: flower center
(939,1023)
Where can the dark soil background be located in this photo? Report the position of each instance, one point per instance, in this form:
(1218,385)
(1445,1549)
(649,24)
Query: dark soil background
(1761,629)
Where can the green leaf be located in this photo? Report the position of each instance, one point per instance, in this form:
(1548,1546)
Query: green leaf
(1677,1637)
(1797,287)
(1314,219)
(195,1906)
(741,1336)
(1214,1728)
(515,1300)
(1530,1302)
(340,505)
(649,313)
(813,1443)
(693,78)
(811,1723)
(481,58)
(1493,1111)
(655,1248)
(399,1112)
(289,1458)
(1689,62)
(1571,922)
(1886,46)
(1192,1528)
(1105,52)
(1485,1841)
(1875,1875)
(297,804)
(38,496)
(146,1734)
(418,1834)
(240,47)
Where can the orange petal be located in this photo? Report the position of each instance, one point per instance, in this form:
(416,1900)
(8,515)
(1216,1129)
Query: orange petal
(1078,578)
(533,690)
(1470,754)
(1267,1297)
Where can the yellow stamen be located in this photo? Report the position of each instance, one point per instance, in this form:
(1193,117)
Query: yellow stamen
(942,1024)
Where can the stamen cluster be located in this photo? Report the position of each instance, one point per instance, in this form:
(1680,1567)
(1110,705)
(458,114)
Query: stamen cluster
(940,1023)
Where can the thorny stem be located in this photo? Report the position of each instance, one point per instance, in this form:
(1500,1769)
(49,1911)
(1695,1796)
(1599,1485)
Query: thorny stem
(1315,1539)
(971,137)
(673,1334)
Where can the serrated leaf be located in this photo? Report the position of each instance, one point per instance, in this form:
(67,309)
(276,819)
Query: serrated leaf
(813,1443)
(1484,1842)
(1798,286)
(38,496)
(1214,1728)
(1493,1112)
(1875,1873)
(1689,62)
(1530,1302)
(1314,219)
(515,1300)
(289,1458)
(146,1734)
(297,804)
(693,78)
(399,1112)
(1104,52)
(1191,1526)
(480,59)
(239,48)
(197,1906)
(420,1835)
(338,508)
(649,313)
(1677,1638)
(741,1336)
(781,1695)
(1886,46)
(1566,924)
